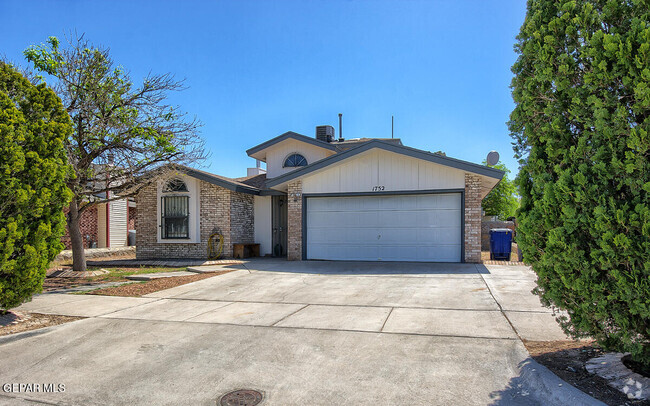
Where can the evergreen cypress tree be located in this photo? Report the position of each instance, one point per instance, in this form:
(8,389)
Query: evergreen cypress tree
(580,126)
(33,174)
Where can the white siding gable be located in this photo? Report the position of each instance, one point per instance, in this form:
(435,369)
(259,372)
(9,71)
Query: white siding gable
(383,169)
(277,153)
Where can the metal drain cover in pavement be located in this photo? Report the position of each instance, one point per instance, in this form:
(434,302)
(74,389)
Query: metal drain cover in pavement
(242,397)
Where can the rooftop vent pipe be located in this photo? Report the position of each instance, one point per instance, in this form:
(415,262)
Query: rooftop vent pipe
(341,127)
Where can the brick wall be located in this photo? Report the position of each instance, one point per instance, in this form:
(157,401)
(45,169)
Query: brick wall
(88,225)
(294,221)
(472,218)
(215,217)
(241,224)
(221,210)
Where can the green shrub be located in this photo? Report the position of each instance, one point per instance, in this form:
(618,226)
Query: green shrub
(502,200)
(580,126)
(33,171)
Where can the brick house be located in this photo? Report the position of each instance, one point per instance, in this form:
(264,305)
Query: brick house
(322,198)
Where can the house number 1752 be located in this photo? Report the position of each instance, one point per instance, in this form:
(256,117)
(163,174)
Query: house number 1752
(378,188)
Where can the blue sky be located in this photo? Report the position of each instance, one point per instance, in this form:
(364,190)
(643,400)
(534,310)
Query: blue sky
(256,69)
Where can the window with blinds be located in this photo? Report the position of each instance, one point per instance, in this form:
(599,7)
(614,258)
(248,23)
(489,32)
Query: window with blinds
(175,217)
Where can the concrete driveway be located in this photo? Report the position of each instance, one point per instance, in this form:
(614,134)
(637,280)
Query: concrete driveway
(302,333)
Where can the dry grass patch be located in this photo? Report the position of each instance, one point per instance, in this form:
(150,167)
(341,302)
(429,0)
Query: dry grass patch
(14,322)
(114,275)
(144,288)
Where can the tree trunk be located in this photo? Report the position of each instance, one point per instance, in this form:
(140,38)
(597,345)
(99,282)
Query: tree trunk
(76,239)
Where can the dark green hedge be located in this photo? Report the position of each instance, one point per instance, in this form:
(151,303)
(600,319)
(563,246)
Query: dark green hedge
(580,126)
(33,171)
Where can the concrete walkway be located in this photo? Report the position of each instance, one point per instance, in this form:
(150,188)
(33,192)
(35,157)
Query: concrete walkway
(467,302)
(307,333)
(158,275)
(173,263)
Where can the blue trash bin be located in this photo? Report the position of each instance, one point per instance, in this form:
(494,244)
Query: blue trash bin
(500,243)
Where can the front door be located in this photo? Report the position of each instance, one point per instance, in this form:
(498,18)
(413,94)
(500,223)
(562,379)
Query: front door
(279,225)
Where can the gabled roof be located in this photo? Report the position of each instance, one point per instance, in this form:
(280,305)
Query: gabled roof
(399,149)
(227,183)
(354,142)
(256,181)
(291,135)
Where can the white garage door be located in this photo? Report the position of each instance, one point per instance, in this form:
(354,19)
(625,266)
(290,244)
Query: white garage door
(385,228)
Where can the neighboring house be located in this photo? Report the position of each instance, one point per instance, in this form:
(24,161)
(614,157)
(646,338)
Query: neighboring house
(106,225)
(321,198)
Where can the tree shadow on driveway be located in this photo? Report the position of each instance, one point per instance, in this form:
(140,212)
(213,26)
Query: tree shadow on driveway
(362,268)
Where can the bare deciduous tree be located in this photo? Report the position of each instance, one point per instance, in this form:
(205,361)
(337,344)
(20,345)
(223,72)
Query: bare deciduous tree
(121,132)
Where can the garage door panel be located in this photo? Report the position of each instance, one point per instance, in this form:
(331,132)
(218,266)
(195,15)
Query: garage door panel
(398,253)
(440,253)
(327,204)
(440,235)
(406,203)
(393,218)
(439,218)
(385,228)
(367,219)
(448,253)
(349,237)
(359,252)
(354,236)
(398,236)
(324,236)
(371,204)
(441,201)
(334,220)
(323,219)
(319,251)
(388,236)
(396,203)
(343,252)
(344,220)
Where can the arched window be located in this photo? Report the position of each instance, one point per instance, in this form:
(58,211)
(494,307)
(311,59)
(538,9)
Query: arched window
(294,160)
(175,185)
(174,210)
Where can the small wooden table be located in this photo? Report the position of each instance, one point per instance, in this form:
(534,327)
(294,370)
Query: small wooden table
(245,250)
